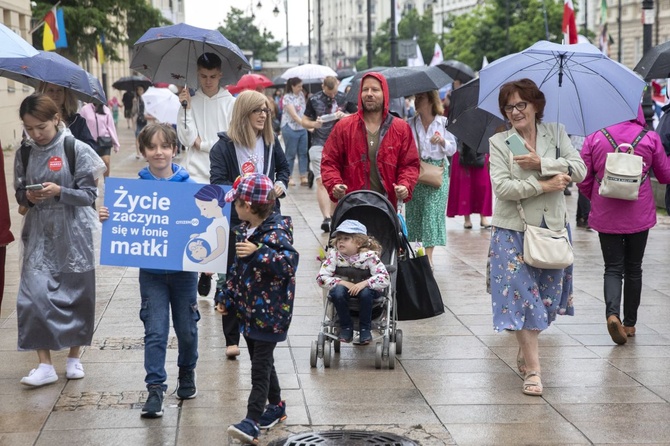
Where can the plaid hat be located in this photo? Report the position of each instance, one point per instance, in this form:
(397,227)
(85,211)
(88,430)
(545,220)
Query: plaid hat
(351,227)
(252,188)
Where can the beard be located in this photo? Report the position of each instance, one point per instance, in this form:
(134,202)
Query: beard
(372,107)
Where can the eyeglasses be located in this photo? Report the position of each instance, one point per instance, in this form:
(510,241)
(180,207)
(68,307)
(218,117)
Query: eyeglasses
(521,106)
(258,111)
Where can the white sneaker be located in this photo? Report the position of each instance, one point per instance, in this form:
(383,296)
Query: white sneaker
(74,370)
(40,377)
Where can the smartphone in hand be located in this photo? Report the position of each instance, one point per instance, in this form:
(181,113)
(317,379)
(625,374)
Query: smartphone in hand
(34,187)
(516,145)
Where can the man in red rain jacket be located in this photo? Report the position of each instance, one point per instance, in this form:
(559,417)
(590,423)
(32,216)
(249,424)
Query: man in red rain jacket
(371,149)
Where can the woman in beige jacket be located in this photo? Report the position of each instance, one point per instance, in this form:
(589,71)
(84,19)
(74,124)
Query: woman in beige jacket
(527,299)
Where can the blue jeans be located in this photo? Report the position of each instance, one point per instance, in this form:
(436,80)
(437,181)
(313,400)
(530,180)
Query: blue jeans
(160,292)
(339,295)
(295,142)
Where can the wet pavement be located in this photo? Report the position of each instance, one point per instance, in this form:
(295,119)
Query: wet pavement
(454,383)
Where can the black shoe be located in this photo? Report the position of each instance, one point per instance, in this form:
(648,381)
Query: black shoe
(153,408)
(186,385)
(204,284)
(325,225)
(567,191)
(582,223)
(310,178)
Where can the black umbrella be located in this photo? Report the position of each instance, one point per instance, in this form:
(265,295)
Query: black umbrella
(131,83)
(406,81)
(472,125)
(655,64)
(345,72)
(457,70)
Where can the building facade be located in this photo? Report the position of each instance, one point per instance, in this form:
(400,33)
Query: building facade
(14,14)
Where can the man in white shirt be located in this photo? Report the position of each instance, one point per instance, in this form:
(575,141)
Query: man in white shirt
(207,113)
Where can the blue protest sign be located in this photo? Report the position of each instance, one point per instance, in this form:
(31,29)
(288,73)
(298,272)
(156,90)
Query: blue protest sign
(165,225)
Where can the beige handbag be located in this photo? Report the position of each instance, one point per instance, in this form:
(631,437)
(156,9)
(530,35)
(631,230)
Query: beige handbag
(545,248)
(431,175)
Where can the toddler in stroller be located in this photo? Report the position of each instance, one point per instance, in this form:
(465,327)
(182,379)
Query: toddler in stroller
(358,255)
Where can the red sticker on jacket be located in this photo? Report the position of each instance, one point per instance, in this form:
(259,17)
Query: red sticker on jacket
(248,168)
(55,163)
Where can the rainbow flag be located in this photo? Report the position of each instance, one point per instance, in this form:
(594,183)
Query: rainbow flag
(54,30)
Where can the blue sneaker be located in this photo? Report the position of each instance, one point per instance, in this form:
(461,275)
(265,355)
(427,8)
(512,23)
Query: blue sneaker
(246,431)
(273,414)
(365,338)
(346,335)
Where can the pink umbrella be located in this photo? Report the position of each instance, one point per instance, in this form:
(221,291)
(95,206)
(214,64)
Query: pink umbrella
(250,82)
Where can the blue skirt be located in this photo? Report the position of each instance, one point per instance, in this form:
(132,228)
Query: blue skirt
(525,297)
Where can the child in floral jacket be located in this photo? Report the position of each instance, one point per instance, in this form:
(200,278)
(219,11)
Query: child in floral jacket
(354,248)
(260,290)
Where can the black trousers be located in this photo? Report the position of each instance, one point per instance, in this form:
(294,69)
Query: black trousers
(264,383)
(231,328)
(623,255)
(583,207)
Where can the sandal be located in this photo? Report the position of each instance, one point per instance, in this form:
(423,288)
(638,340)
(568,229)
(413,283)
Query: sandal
(303,180)
(521,363)
(530,386)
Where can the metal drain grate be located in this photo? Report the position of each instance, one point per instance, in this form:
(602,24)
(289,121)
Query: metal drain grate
(344,438)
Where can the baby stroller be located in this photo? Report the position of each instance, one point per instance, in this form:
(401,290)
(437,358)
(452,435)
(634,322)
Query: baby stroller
(380,218)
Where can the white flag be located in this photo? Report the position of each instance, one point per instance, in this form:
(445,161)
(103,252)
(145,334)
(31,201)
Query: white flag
(437,55)
(418,60)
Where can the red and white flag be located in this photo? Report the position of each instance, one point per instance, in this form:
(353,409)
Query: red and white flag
(569,23)
(437,55)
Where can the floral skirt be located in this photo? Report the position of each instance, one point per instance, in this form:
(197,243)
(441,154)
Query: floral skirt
(425,212)
(525,297)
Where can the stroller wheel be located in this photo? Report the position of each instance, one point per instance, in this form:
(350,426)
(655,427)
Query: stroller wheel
(327,354)
(336,345)
(321,341)
(398,342)
(378,356)
(312,355)
(392,350)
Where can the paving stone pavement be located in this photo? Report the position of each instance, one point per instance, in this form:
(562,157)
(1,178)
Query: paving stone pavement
(455,382)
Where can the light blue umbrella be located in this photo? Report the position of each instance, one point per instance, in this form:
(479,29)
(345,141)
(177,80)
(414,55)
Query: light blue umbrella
(585,90)
(170,53)
(53,68)
(13,45)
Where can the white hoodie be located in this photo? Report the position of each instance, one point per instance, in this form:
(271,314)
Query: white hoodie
(206,117)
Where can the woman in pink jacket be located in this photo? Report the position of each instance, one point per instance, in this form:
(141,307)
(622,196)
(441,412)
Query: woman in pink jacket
(622,225)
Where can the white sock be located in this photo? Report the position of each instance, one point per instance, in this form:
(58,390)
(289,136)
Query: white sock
(72,361)
(46,368)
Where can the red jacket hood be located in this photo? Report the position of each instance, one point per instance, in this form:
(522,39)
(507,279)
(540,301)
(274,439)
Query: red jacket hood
(385,89)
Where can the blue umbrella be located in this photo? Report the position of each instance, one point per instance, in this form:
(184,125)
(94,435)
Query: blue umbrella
(169,54)
(585,90)
(13,45)
(55,69)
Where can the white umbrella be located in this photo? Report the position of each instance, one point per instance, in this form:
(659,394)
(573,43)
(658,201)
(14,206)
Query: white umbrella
(162,104)
(585,90)
(309,71)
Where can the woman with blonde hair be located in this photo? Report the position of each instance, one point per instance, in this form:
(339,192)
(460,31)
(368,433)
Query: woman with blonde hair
(68,108)
(249,146)
(425,211)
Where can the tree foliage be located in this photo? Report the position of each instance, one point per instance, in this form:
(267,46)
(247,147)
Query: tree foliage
(483,31)
(86,20)
(411,25)
(241,30)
